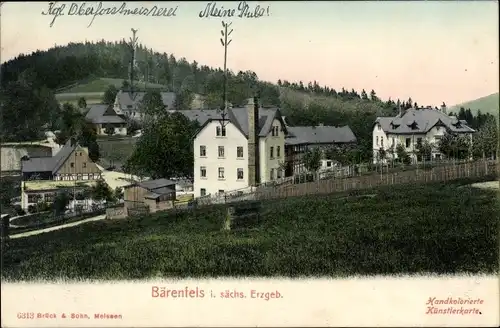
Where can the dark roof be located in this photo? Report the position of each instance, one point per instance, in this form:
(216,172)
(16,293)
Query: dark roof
(158,186)
(49,164)
(319,135)
(103,114)
(126,99)
(422,120)
(237,116)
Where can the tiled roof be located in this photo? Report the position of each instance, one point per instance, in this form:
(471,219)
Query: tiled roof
(49,164)
(156,187)
(99,114)
(319,135)
(126,99)
(237,116)
(421,121)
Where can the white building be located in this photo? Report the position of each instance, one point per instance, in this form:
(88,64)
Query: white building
(246,149)
(412,127)
(129,103)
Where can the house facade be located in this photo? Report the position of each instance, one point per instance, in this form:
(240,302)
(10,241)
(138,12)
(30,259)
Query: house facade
(155,195)
(129,103)
(69,169)
(412,127)
(104,118)
(301,139)
(245,149)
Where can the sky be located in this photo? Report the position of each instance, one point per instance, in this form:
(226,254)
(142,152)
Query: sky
(431,51)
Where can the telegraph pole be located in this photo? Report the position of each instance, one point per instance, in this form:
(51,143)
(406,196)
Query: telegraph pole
(225,43)
(133,45)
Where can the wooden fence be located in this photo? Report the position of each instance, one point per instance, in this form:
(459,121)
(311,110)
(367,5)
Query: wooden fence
(434,174)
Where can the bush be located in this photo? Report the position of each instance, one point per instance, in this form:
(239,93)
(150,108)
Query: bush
(19,211)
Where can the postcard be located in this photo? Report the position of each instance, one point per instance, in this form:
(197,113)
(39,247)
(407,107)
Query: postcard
(238,163)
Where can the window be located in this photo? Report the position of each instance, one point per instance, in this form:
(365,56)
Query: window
(221,173)
(279,173)
(239,174)
(203,191)
(33,198)
(220,131)
(81,154)
(84,165)
(408,142)
(378,127)
(203,151)
(221,191)
(392,141)
(275,131)
(221,151)
(271,174)
(278,151)
(328,163)
(419,141)
(49,197)
(271,152)
(376,142)
(382,141)
(72,164)
(239,152)
(203,172)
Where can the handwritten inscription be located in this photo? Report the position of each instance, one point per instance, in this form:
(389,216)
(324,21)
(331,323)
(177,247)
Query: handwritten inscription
(84,9)
(244,10)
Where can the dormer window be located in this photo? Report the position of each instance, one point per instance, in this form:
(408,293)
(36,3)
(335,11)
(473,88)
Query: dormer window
(413,125)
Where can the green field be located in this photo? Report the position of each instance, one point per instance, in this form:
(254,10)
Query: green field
(433,228)
(488,104)
(101,84)
(115,150)
(93,90)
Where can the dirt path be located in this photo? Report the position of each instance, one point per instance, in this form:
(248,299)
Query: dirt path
(62,226)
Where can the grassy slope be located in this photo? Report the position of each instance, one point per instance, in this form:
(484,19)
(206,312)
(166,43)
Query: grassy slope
(101,84)
(427,228)
(93,90)
(488,104)
(115,151)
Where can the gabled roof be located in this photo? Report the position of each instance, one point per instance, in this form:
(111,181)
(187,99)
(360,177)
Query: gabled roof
(238,117)
(126,99)
(319,135)
(156,187)
(423,120)
(103,114)
(49,164)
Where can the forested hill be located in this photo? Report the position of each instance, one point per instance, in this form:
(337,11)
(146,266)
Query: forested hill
(302,102)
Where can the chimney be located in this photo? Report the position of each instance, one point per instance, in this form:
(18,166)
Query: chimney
(72,141)
(253,141)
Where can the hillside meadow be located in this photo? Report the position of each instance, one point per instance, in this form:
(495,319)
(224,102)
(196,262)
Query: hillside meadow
(433,228)
(488,104)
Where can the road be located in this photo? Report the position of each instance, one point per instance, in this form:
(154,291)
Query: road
(62,226)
